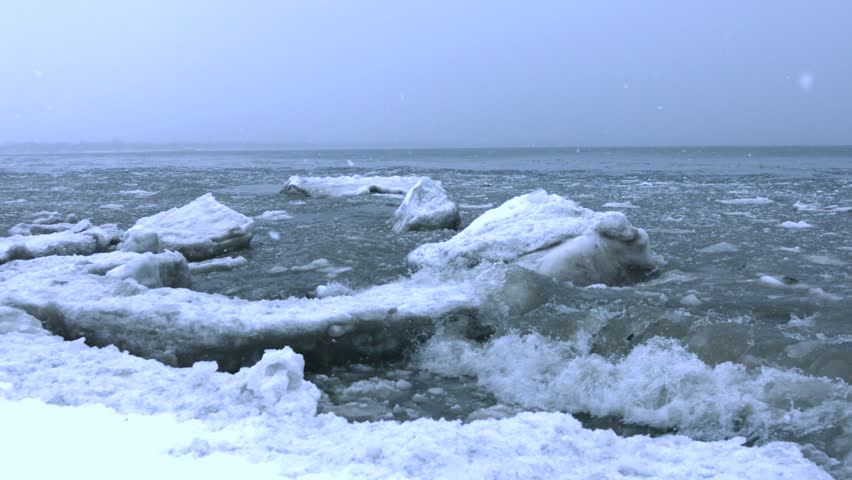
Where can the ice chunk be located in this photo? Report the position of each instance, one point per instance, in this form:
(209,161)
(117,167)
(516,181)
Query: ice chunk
(813,207)
(550,235)
(106,298)
(201,229)
(795,225)
(746,201)
(619,205)
(426,207)
(348,185)
(13,320)
(138,193)
(721,247)
(273,215)
(217,265)
(49,222)
(82,239)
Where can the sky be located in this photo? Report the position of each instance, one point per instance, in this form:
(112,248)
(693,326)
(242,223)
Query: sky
(428,74)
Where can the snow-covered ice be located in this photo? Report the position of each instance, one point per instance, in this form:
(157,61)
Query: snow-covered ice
(348,185)
(550,235)
(721,247)
(746,201)
(795,225)
(217,265)
(201,229)
(426,206)
(47,222)
(273,215)
(619,205)
(135,301)
(81,238)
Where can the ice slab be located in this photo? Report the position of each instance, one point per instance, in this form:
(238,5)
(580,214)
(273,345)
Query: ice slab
(201,229)
(746,201)
(81,238)
(549,235)
(348,185)
(217,265)
(426,206)
(134,301)
(47,222)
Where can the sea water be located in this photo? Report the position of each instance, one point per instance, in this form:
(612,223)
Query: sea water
(744,329)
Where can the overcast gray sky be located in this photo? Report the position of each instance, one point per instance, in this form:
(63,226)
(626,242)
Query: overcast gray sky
(428,74)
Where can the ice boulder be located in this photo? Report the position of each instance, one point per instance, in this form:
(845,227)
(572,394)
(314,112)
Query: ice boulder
(201,229)
(81,238)
(425,207)
(550,235)
(348,185)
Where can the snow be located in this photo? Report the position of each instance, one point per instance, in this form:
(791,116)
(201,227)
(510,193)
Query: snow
(348,185)
(110,410)
(746,201)
(721,247)
(202,229)
(134,301)
(795,225)
(273,215)
(550,235)
(81,239)
(217,265)
(426,207)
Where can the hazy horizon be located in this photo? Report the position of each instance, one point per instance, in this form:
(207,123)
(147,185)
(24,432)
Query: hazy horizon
(387,75)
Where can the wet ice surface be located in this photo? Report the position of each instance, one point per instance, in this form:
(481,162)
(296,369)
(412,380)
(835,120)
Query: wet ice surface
(736,286)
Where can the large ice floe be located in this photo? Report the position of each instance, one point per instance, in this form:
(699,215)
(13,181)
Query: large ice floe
(426,206)
(137,302)
(549,235)
(201,229)
(80,238)
(348,185)
(261,421)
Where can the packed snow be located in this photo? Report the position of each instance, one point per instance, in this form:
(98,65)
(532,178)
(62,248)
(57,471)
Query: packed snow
(550,235)
(348,185)
(202,229)
(426,206)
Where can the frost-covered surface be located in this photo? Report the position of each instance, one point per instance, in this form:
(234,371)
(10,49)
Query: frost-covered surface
(202,229)
(259,421)
(550,235)
(348,185)
(81,238)
(217,265)
(128,299)
(426,206)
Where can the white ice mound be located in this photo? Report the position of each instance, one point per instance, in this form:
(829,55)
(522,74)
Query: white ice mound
(426,207)
(133,301)
(201,229)
(46,222)
(348,185)
(81,238)
(550,235)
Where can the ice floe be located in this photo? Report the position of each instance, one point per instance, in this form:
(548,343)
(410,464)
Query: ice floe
(47,222)
(813,207)
(746,201)
(217,265)
(134,302)
(795,225)
(201,229)
(550,235)
(619,205)
(721,247)
(81,238)
(426,206)
(138,193)
(273,215)
(348,185)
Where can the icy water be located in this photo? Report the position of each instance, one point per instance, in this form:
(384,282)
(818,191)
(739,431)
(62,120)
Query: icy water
(744,330)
